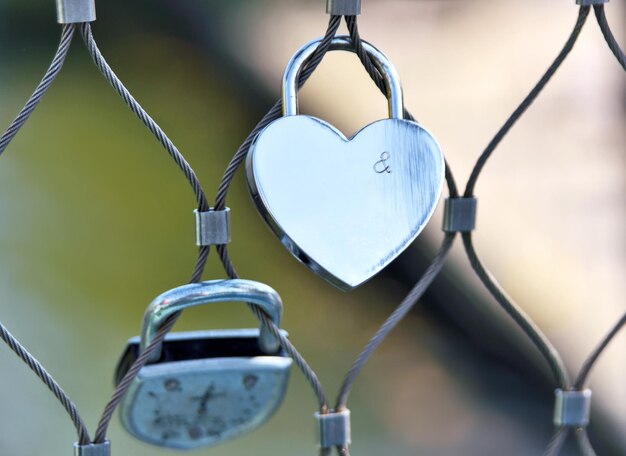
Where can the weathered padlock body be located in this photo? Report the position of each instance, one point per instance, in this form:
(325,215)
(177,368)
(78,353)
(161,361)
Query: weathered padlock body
(207,387)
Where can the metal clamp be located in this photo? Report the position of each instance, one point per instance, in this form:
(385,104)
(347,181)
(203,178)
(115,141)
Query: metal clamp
(591,2)
(212,227)
(343,7)
(76,11)
(460,215)
(571,408)
(93,449)
(333,429)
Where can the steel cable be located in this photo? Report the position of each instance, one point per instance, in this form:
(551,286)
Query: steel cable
(431,272)
(48,380)
(220,203)
(372,71)
(143,116)
(608,35)
(274,113)
(530,329)
(427,278)
(583,13)
(143,358)
(203,206)
(557,441)
(581,379)
(551,355)
(549,352)
(49,77)
(582,437)
(47,80)
(394,319)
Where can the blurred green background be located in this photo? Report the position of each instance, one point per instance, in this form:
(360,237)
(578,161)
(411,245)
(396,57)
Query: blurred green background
(96,220)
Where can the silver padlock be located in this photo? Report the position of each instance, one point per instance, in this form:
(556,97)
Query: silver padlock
(345,207)
(205,387)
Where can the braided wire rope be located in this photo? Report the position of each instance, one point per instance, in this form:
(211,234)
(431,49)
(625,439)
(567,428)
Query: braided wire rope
(548,351)
(431,272)
(394,319)
(203,206)
(583,12)
(143,116)
(591,360)
(49,381)
(532,331)
(559,437)
(526,324)
(429,275)
(53,71)
(608,35)
(144,357)
(582,436)
(220,203)
(46,82)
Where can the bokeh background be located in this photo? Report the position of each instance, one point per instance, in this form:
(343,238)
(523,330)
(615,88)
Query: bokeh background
(95,219)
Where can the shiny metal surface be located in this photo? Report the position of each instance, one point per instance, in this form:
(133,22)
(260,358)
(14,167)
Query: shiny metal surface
(591,2)
(343,7)
(334,429)
(343,43)
(198,403)
(572,408)
(75,11)
(459,215)
(93,449)
(213,291)
(345,208)
(212,227)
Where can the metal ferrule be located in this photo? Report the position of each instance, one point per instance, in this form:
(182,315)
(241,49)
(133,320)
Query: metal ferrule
(342,43)
(460,215)
(212,227)
(572,408)
(334,429)
(76,11)
(343,7)
(93,449)
(213,291)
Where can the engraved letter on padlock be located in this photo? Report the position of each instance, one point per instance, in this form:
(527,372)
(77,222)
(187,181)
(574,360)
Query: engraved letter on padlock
(205,387)
(345,207)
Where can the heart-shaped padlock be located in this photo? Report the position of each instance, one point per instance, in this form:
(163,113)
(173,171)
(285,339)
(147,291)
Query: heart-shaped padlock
(345,207)
(205,387)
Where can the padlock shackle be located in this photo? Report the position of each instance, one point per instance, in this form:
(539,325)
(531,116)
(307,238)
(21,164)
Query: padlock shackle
(209,292)
(342,43)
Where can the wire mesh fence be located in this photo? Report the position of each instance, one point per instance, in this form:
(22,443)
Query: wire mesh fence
(572,397)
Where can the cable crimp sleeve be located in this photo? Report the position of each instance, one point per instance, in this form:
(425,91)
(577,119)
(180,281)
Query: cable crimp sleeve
(333,429)
(572,408)
(343,7)
(76,11)
(460,215)
(93,449)
(212,227)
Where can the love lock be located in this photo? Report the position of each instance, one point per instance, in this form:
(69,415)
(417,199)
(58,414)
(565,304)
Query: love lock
(345,207)
(205,387)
